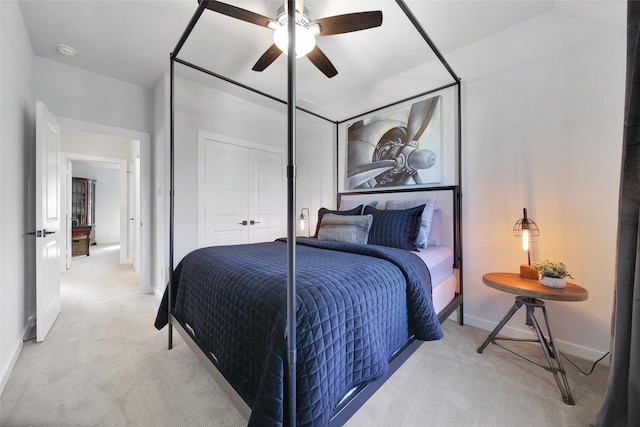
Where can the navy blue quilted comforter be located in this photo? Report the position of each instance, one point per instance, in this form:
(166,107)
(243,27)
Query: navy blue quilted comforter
(356,305)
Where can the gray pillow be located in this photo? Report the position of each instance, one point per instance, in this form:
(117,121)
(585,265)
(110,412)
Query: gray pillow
(345,228)
(323,211)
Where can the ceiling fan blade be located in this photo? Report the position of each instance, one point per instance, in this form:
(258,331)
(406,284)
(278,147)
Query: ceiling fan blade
(320,60)
(238,13)
(267,58)
(349,22)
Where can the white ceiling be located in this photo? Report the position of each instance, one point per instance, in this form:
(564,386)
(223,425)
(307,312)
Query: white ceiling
(132,40)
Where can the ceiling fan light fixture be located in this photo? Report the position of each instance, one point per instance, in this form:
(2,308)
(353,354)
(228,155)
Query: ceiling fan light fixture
(305,31)
(305,40)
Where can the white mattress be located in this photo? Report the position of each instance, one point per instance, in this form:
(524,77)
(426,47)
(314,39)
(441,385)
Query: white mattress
(439,259)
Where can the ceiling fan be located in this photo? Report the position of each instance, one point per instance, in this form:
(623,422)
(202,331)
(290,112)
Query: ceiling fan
(306,31)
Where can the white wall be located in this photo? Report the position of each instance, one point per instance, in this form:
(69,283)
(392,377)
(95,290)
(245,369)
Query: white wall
(543,118)
(17,133)
(160,186)
(108,201)
(82,95)
(94,144)
(316,164)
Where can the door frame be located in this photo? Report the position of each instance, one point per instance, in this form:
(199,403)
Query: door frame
(67,158)
(144,248)
(203,136)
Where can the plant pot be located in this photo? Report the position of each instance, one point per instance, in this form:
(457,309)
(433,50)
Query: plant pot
(553,282)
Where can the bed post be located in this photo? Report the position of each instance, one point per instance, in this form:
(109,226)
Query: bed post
(459,210)
(171,219)
(290,389)
(458,193)
(172,57)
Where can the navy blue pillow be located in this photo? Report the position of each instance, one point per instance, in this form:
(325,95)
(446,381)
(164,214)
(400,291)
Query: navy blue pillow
(355,211)
(395,228)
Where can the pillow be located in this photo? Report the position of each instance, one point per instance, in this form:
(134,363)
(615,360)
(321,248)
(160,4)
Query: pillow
(322,211)
(427,215)
(395,228)
(346,204)
(435,234)
(345,228)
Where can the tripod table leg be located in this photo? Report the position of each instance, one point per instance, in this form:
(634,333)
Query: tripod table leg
(564,384)
(516,305)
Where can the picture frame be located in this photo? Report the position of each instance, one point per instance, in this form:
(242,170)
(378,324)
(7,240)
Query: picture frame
(412,144)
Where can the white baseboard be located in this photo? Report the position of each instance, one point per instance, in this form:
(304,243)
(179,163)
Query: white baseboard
(565,347)
(8,368)
(158,293)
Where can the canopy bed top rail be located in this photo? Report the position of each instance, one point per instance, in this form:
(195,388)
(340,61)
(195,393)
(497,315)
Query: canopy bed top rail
(426,38)
(249,88)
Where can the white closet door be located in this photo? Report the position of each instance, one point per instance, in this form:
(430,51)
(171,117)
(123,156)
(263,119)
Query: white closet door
(265,196)
(226,201)
(243,194)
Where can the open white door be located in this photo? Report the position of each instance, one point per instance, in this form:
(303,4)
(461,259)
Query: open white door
(47,232)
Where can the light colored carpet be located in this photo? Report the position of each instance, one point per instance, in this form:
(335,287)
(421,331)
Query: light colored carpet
(104,364)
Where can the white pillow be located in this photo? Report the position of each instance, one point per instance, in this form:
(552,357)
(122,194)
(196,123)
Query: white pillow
(435,233)
(427,215)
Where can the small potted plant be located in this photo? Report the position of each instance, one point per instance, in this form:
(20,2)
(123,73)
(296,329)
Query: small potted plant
(553,274)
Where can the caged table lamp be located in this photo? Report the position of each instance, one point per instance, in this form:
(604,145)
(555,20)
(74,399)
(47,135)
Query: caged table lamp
(526,231)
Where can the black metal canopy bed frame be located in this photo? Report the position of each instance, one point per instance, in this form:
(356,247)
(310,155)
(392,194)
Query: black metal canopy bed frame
(356,398)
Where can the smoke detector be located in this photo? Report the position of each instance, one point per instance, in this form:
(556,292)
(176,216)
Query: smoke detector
(65,50)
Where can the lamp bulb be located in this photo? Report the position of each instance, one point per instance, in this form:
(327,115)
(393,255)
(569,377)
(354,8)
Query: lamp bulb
(525,240)
(305,40)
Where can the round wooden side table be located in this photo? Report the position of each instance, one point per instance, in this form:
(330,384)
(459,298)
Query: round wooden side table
(530,294)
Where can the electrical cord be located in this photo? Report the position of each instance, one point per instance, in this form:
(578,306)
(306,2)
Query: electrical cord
(592,366)
(574,364)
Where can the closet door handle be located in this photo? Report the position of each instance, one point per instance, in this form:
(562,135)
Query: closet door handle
(253,222)
(243,222)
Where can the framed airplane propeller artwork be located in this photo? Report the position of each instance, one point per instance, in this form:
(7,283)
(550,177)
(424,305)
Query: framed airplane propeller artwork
(412,144)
